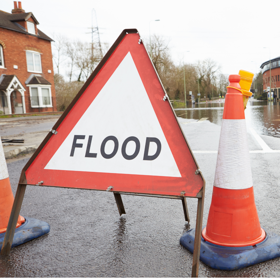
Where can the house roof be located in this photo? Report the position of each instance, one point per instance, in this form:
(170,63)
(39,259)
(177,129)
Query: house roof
(9,21)
(271,60)
(38,80)
(22,16)
(5,82)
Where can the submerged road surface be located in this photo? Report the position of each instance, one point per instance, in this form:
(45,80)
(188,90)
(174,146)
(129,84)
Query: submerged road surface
(88,238)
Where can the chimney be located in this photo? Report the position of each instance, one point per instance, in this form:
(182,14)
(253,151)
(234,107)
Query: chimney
(17,8)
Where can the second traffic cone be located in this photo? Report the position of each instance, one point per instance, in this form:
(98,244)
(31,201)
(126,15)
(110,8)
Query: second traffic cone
(233,219)
(6,195)
(26,228)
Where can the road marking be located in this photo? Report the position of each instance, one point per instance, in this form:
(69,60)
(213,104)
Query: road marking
(265,152)
(265,148)
(260,141)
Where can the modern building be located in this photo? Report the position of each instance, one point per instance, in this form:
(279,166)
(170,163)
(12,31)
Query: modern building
(26,68)
(271,76)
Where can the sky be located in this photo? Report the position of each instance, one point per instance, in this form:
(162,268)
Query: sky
(240,34)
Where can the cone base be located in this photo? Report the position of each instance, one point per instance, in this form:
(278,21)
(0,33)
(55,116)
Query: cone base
(233,219)
(31,229)
(233,258)
(251,243)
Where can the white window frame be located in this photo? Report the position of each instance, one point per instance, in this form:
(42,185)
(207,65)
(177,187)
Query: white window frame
(33,53)
(29,23)
(39,88)
(2,56)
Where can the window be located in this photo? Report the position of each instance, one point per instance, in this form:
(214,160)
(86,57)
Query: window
(33,62)
(34,97)
(40,97)
(1,57)
(46,98)
(266,67)
(31,27)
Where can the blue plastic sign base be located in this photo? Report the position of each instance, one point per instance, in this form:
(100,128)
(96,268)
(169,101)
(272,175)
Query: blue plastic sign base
(31,229)
(232,258)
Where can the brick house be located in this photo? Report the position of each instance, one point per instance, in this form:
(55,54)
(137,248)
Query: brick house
(26,68)
(271,76)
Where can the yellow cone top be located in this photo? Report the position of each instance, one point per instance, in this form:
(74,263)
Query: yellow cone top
(246,79)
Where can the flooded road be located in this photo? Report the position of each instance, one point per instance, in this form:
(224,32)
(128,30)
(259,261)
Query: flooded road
(262,116)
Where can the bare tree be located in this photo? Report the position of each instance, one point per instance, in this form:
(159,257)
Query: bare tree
(257,85)
(222,84)
(59,51)
(72,54)
(160,56)
(206,72)
(159,53)
(87,59)
(82,58)
(65,91)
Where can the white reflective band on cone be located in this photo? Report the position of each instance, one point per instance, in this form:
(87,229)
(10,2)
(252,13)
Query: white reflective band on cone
(3,165)
(233,169)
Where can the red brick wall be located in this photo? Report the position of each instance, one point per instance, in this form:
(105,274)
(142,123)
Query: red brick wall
(14,49)
(275,78)
(23,24)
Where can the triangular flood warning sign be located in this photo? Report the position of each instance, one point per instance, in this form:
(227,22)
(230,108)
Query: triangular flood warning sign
(117,122)
(118,132)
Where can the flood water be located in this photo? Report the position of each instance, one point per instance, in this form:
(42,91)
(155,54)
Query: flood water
(262,116)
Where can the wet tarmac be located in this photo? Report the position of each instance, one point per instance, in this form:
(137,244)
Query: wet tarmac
(88,238)
(23,125)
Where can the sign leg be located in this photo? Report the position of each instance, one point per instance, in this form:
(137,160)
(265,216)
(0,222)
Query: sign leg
(119,202)
(198,230)
(186,211)
(9,236)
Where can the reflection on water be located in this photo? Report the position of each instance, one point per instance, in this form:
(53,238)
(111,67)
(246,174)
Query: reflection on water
(262,116)
(212,111)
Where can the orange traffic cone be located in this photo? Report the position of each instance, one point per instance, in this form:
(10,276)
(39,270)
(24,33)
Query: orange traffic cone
(233,237)
(233,219)
(6,195)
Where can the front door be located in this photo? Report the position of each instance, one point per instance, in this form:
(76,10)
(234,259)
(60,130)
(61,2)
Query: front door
(16,102)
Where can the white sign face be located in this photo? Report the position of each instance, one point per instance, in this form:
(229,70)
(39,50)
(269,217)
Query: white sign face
(119,132)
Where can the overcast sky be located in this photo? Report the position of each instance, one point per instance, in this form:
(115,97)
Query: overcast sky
(239,34)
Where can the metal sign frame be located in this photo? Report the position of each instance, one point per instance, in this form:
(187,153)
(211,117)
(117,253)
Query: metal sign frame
(8,240)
